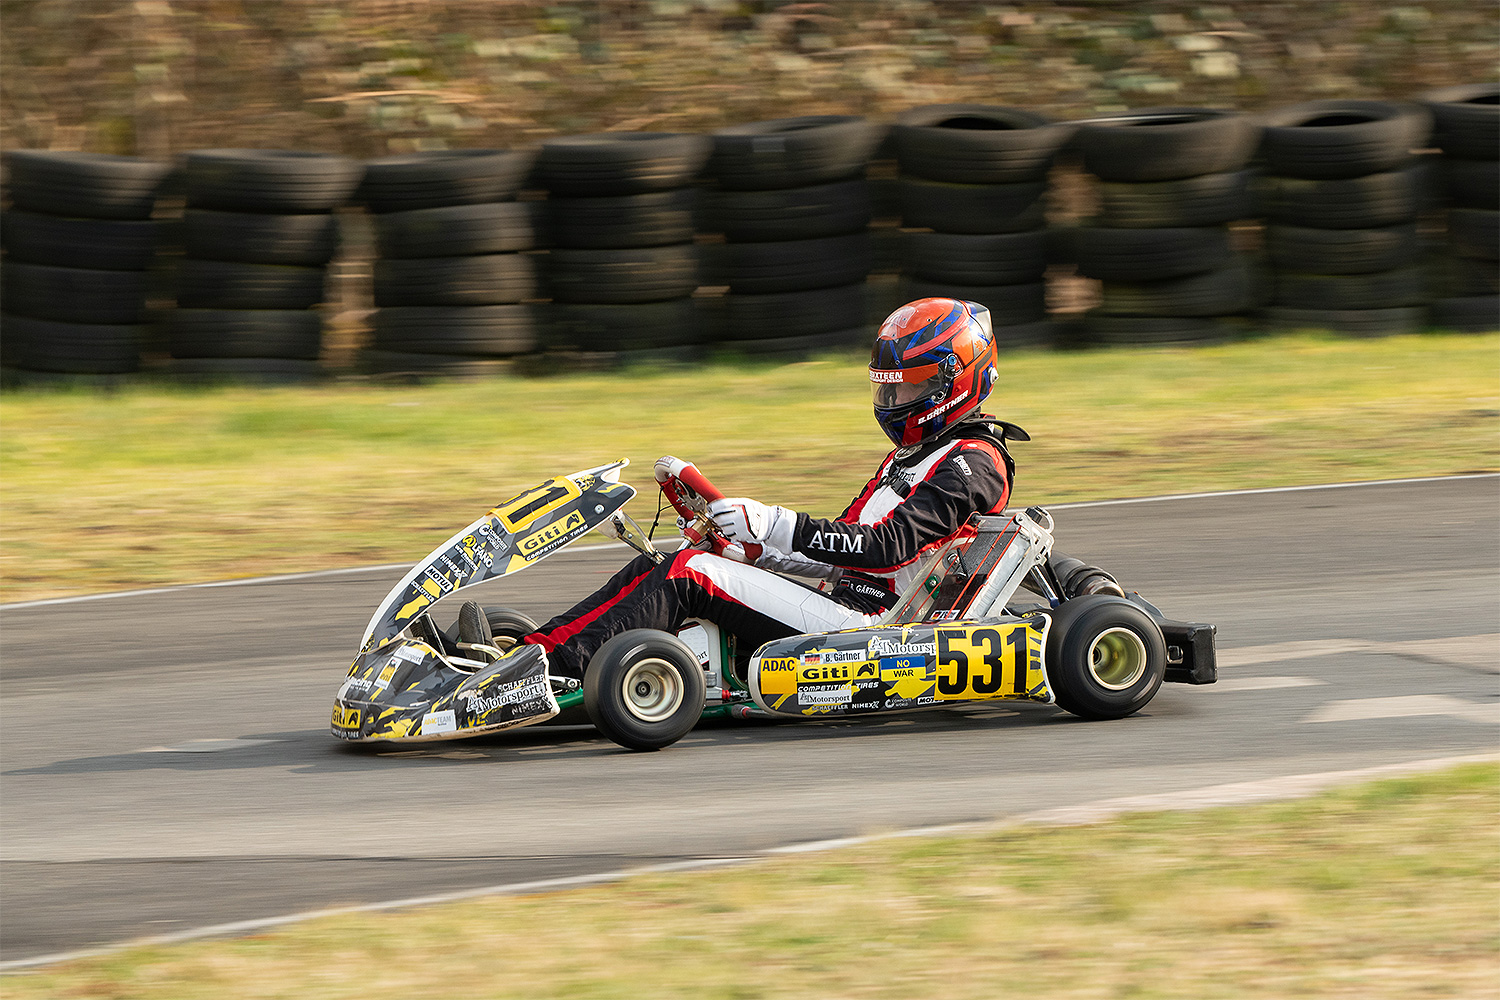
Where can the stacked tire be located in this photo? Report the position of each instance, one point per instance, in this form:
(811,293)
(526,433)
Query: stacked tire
(622,267)
(1171,180)
(971,185)
(791,200)
(78,241)
(453,282)
(1466,127)
(1341,195)
(258,233)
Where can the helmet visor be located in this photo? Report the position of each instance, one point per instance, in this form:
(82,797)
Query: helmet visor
(895,389)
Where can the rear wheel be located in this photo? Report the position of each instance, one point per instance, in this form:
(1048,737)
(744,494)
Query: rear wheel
(1105,657)
(644,689)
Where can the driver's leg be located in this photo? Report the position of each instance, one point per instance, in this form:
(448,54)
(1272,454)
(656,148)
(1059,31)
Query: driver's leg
(752,604)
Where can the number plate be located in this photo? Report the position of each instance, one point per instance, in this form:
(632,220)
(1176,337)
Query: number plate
(891,669)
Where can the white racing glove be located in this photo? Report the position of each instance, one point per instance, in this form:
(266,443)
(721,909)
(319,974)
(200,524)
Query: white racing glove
(742,520)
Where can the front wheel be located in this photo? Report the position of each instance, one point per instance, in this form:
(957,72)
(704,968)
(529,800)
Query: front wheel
(644,689)
(1105,657)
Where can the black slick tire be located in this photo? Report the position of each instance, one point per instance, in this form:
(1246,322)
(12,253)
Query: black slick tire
(655,218)
(1382,290)
(308,240)
(414,181)
(1106,657)
(792,152)
(1475,232)
(971,208)
(73,294)
(1466,119)
(793,314)
(1206,200)
(1341,138)
(977,143)
(615,163)
(1149,254)
(1468,313)
(644,689)
(1100,328)
(288,334)
(488,279)
(802,213)
(484,331)
(1351,322)
(103,244)
(89,185)
(42,345)
(637,274)
(222,284)
(622,327)
(1163,144)
(976,259)
(1214,293)
(789,266)
(1341,251)
(1367,202)
(508,625)
(1009,305)
(280,181)
(456,231)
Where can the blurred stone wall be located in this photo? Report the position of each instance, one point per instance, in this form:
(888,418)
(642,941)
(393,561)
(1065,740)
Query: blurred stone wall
(369,77)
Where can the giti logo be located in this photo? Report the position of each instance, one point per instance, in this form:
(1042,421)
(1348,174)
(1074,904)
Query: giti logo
(840,672)
(551,533)
(345,718)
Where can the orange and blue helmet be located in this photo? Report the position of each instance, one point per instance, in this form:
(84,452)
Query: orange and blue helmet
(933,363)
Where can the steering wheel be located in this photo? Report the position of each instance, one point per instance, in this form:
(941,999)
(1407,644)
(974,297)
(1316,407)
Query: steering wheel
(689,492)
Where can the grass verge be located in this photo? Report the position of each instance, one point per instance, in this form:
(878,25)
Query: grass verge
(153,485)
(1382,890)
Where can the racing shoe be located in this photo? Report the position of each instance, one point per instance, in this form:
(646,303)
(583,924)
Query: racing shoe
(512,691)
(475,640)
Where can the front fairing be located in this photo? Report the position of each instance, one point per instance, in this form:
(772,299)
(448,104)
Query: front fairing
(408,691)
(511,537)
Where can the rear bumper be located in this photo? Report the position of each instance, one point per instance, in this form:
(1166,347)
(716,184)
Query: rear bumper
(1191,657)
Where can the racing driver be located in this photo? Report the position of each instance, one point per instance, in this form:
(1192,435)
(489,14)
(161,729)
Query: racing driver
(932,365)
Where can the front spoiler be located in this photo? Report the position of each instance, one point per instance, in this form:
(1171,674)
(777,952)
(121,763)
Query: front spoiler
(425,698)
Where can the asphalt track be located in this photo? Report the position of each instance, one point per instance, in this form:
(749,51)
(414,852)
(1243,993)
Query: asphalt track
(165,761)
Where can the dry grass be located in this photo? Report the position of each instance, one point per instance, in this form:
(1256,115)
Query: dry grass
(1384,891)
(155,485)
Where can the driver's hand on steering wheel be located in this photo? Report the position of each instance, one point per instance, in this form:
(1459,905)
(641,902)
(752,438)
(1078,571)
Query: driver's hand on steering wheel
(742,520)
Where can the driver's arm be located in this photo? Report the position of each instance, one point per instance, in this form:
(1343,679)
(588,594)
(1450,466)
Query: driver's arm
(933,511)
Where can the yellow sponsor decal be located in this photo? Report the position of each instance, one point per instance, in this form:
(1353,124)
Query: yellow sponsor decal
(515,514)
(345,718)
(778,675)
(412,606)
(544,536)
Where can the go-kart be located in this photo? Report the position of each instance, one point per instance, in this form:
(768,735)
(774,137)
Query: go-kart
(960,633)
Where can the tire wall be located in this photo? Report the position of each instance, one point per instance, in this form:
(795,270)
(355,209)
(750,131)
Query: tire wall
(1172,186)
(1466,280)
(454,279)
(1363,217)
(785,225)
(79,240)
(258,232)
(621,266)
